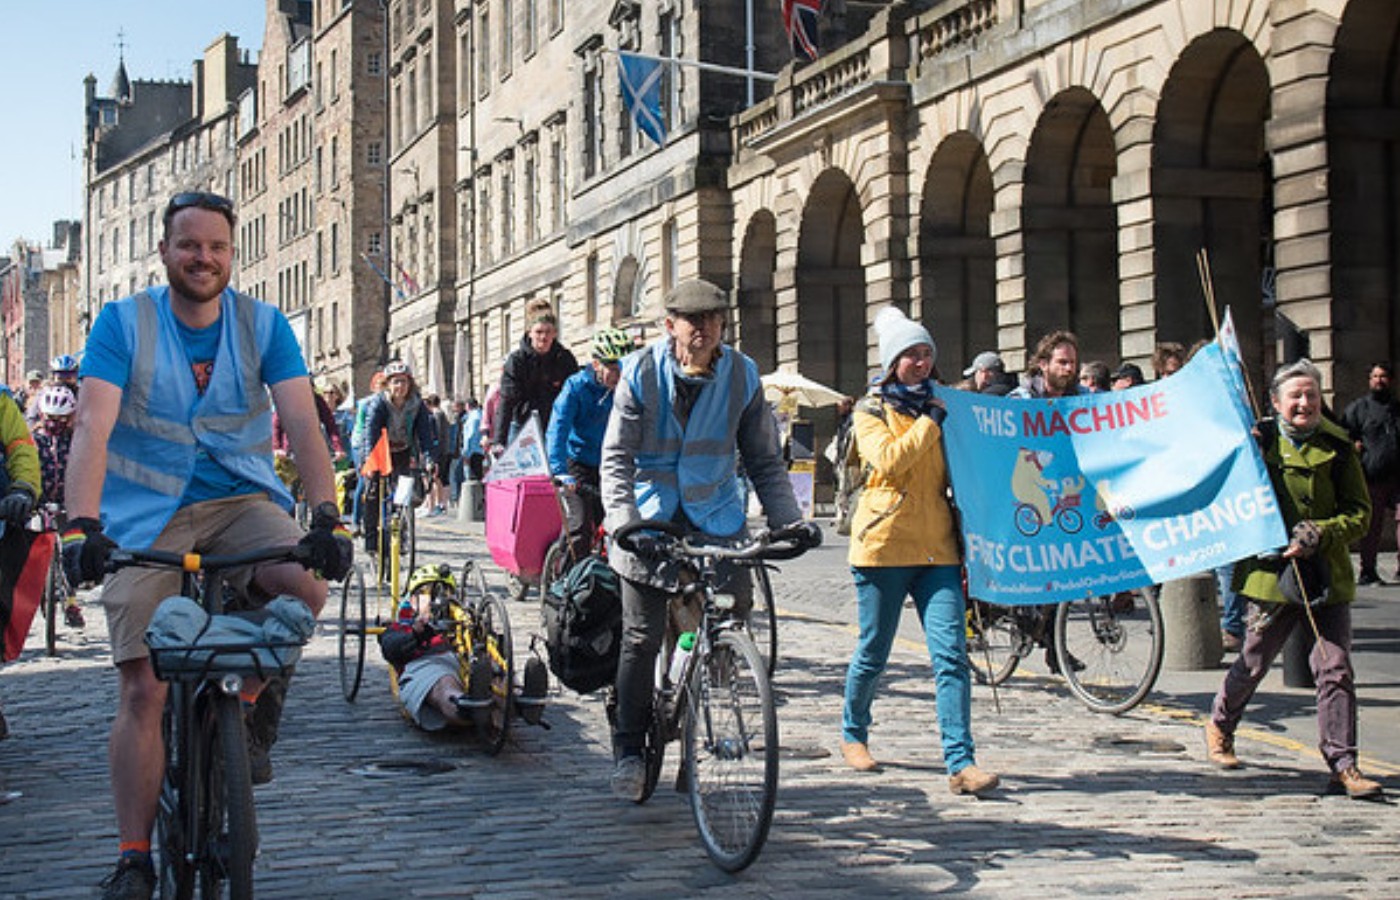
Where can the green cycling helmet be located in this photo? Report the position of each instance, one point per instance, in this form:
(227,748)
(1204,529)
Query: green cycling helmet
(426,577)
(611,344)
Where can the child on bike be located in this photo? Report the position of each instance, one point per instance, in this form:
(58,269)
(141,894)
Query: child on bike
(53,435)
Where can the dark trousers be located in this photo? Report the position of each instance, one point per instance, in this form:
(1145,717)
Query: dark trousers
(1383,494)
(1330,660)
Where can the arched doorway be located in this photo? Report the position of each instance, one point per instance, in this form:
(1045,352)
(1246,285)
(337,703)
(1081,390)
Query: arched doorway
(1071,227)
(756,329)
(1211,188)
(1363,149)
(831,320)
(957,285)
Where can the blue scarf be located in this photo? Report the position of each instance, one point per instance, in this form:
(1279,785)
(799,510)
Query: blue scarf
(912,400)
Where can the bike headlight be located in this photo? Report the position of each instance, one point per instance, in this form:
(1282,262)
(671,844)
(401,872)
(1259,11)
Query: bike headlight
(231,683)
(724,601)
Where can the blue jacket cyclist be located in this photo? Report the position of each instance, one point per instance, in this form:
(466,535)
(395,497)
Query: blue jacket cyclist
(682,408)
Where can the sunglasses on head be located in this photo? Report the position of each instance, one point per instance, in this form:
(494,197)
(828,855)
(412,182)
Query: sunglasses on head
(200,200)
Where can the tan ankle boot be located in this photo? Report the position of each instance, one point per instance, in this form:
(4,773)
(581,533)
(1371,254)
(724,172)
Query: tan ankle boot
(858,757)
(1220,747)
(1357,786)
(972,780)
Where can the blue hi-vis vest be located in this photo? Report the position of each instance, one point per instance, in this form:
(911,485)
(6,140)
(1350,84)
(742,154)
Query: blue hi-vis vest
(692,468)
(161,427)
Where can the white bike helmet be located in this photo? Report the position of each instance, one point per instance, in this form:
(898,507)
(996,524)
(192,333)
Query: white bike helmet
(57,400)
(397,367)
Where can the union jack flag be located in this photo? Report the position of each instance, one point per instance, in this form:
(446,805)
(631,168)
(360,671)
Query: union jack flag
(800,19)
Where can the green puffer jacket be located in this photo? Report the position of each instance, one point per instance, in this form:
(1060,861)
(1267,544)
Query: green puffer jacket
(1319,480)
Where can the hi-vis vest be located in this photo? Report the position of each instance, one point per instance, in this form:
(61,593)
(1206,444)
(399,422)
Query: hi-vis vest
(694,468)
(162,426)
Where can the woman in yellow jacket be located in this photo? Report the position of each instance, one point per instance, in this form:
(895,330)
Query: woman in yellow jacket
(903,543)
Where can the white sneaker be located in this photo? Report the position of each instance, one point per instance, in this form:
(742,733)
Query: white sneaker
(629,779)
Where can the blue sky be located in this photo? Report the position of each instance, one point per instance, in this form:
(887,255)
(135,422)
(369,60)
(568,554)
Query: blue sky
(46,49)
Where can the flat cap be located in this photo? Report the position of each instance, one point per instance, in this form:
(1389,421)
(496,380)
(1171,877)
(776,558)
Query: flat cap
(695,296)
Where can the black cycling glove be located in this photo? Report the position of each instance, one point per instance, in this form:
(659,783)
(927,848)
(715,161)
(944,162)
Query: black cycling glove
(329,550)
(85,551)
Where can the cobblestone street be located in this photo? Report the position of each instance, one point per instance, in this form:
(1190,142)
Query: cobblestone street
(1089,805)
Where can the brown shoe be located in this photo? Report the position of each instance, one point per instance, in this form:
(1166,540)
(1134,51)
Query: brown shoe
(1357,786)
(858,757)
(972,780)
(1220,747)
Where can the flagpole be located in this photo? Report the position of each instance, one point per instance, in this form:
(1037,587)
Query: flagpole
(748,50)
(695,64)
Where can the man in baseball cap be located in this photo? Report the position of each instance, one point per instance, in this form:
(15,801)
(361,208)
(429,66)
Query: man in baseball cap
(988,374)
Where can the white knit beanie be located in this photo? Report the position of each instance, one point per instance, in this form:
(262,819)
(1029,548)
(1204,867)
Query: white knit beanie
(897,333)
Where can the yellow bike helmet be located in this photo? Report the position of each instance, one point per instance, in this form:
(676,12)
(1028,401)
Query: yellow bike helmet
(428,577)
(611,344)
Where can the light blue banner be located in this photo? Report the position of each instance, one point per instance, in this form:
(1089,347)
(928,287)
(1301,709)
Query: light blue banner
(1106,492)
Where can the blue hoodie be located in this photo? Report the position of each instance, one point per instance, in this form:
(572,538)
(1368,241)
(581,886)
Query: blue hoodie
(577,423)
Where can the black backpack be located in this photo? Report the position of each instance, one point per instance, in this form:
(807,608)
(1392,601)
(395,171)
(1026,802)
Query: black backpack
(583,625)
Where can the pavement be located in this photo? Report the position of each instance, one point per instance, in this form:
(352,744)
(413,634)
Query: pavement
(364,806)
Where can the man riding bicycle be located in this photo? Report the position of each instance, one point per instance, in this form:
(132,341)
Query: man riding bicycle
(575,438)
(53,438)
(683,406)
(172,451)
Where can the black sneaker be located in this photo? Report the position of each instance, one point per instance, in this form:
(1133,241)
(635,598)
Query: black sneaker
(133,879)
(1366,578)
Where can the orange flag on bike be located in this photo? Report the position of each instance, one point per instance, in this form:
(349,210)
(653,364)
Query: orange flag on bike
(378,462)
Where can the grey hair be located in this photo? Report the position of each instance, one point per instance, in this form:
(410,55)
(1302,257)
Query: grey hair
(1301,368)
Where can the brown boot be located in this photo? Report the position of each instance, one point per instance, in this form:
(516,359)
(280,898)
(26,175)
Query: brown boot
(858,756)
(972,780)
(1357,786)
(1220,747)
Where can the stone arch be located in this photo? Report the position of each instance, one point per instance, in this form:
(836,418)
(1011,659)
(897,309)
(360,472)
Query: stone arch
(1210,188)
(627,290)
(830,279)
(1070,225)
(957,255)
(756,329)
(1363,147)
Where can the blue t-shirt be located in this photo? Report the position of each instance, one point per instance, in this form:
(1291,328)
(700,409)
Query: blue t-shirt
(108,358)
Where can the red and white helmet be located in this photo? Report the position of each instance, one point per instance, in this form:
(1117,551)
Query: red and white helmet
(57,400)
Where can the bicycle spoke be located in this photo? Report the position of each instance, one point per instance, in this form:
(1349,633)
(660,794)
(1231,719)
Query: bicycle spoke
(1110,648)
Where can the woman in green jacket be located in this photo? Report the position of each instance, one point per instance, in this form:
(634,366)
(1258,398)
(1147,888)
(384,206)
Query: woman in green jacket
(1322,495)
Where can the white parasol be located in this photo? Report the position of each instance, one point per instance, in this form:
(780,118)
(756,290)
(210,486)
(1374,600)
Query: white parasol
(781,385)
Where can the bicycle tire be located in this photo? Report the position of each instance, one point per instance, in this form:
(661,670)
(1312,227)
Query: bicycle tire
(730,737)
(763,619)
(408,548)
(556,560)
(230,820)
(1110,648)
(492,654)
(55,592)
(351,640)
(994,643)
(177,871)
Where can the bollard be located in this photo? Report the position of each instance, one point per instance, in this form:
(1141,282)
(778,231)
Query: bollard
(472,503)
(1297,672)
(1191,624)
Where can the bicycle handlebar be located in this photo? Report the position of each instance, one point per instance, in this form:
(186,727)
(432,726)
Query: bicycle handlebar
(787,542)
(195,562)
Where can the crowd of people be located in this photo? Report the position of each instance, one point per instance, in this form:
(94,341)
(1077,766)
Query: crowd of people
(637,432)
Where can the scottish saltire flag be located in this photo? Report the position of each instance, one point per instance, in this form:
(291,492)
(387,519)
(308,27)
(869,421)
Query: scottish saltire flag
(800,20)
(1101,493)
(641,92)
(1230,346)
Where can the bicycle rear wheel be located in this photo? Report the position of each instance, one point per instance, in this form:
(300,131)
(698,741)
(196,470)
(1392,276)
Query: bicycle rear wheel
(730,739)
(55,595)
(556,563)
(172,817)
(351,639)
(1110,648)
(230,823)
(763,619)
(994,642)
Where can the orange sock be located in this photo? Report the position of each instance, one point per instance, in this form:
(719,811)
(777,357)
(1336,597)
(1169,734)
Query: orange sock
(128,848)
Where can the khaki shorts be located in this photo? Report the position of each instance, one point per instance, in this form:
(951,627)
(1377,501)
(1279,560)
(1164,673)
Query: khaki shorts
(223,527)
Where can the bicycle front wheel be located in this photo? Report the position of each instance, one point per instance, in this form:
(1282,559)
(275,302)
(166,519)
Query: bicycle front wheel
(230,823)
(491,670)
(55,595)
(730,740)
(763,619)
(994,642)
(177,789)
(1110,648)
(351,639)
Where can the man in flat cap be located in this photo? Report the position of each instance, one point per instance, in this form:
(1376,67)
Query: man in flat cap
(683,407)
